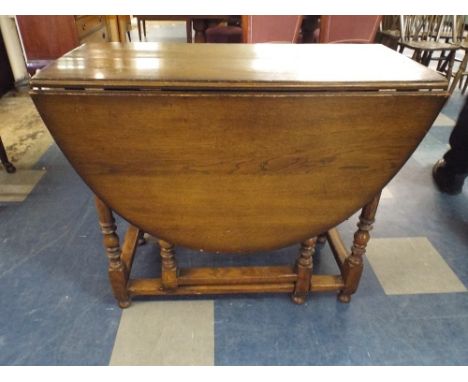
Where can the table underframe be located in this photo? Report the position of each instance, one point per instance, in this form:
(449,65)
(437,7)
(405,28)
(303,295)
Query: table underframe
(296,279)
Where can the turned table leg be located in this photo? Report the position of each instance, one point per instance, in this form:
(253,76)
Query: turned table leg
(353,265)
(322,238)
(168,265)
(304,271)
(118,274)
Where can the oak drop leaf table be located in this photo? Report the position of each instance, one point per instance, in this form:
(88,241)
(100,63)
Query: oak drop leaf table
(235,149)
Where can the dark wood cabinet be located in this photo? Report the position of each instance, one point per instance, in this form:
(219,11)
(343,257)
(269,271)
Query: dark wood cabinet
(47,38)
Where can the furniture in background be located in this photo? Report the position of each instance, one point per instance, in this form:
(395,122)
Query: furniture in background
(257,29)
(462,72)
(7,81)
(310,23)
(4,159)
(389,33)
(260,29)
(46,38)
(199,23)
(225,32)
(141,23)
(348,29)
(237,154)
(423,33)
(456,34)
(119,28)
(451,31)
(202,23)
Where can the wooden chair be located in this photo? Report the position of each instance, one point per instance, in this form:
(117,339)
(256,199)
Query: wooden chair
(389,33)
(127,26)
(225,32)
(456,36)
(422,33)
(348,29)
(4,159)
(452,31)
(141,22)
(462,69)
(258,29)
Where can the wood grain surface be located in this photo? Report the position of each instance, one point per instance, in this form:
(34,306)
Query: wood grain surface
(237,148)
(237,172)
(238,66)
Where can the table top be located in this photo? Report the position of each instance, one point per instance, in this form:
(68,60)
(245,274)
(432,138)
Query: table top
(285,67)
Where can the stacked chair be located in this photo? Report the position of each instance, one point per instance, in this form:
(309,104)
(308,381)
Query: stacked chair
(432,38)
(389,33)
(461,40)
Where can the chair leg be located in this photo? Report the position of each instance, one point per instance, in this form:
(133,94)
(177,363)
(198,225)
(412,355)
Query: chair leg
(451,60)
(118,274)
(139,29)
(4,159)
(200,27)
(426,59)
(459,74)
(304,271)
(442,62)
(188,28)
(144,28)
(353,266)
(466,86)
(416,55)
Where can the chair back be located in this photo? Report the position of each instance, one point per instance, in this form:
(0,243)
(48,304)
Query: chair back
(349,29)
(258,29)
(458,27)
(390,23)
(432,28)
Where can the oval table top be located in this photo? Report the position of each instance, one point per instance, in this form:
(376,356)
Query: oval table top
(238,66)
(237,148)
